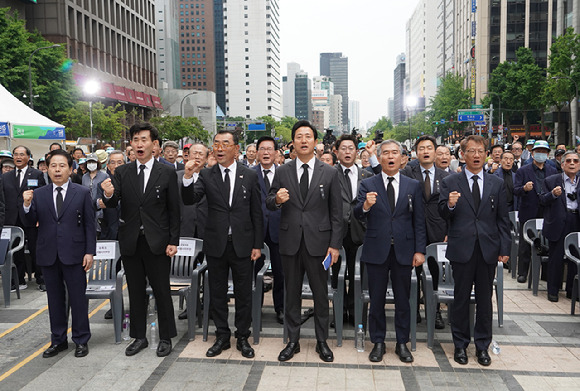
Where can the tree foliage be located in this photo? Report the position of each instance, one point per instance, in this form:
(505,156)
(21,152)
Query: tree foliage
(177,127)
(108,121)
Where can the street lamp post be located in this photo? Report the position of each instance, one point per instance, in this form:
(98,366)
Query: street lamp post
(91,88)
(499,108)
(182,100)
(31,102)
(573,110)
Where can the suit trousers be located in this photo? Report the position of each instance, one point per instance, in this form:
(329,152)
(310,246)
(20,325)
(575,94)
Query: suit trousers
(475,271)
(294,268)
(556,258)
(524,254)
(219,270)
(140,267)
(378,275)
(75,278)
(277,272)
(350,249)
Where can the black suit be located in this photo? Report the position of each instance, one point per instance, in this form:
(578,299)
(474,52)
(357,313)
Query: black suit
(143,250)
(226,251)
(353,233)
(193,217)
(13,191)
(308,227)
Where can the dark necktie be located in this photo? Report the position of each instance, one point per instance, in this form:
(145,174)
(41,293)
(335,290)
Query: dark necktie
(266,180)
(59,201)
(18,177)
(391,194)
(227,184)
(427,185)
(515,166)
(475,192)
(348,183)
(304,182)
(142,177)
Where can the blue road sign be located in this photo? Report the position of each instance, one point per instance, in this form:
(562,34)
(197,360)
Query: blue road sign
(480,123)
(257,127)
(468,118)
(442,121)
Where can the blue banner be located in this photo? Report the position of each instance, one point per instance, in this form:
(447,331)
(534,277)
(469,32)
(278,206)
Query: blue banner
(4,130)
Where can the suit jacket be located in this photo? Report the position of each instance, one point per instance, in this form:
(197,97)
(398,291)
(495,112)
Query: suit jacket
(357,227)
(555,208)
(244,216)
(405,225)
(529,201)
(193,217)
(499,172)
(271,218)
(317,218)
(436,225)
(69,236)
(13,192)
(156,210)
(489,224)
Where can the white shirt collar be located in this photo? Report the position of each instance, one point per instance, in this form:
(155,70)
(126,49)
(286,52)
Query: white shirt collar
(310,163)
(64,186)
(272,168)
(471,174)
(148,165)
(232,168)
(386,177)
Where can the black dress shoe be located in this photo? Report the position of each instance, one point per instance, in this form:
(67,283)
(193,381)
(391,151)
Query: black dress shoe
(403,352)
(522,279)
(81,350)
(53,349)
(280,317)
(164,348)
(324,352)
(439,323)
(289,351)
(460,356)
(42,287)
(136,346)
(378,352)
(483,357)
(182,315)
(243,346)
(220,345)
(553,298)
(109,314)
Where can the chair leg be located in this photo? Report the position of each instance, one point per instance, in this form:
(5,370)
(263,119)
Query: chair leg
(257,312)
(117,310)
(413,304)
(206,298)
(338,310)
(6,285)
(575,294)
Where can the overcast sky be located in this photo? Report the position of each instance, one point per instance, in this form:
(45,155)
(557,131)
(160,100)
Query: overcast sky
(371,33)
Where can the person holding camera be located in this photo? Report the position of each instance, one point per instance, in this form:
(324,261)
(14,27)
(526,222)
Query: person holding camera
(561,217)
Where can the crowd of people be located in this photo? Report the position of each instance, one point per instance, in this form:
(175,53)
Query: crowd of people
(306,203)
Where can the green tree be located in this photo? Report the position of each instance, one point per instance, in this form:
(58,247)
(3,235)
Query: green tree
(50,70)
(108,121)
(177,127)
(451,96)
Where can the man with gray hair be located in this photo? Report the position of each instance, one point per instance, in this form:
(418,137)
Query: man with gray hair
(251,152)
(170,152)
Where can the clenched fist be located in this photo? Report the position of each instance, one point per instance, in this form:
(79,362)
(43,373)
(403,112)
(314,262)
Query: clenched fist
(557,191)
(371,200)
(27,197)
(453,197)
(191,166)
(108,188)
(529,186)
(282,196)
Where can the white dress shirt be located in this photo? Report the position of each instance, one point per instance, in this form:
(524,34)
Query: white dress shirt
(352,177)
(146,172)
(431,175)
(479,181)
(55,193)
(22,174)
(270,174)
(300,170)
(232,176)
(396,183)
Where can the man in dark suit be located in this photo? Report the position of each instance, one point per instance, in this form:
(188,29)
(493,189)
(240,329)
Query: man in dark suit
(443,158)
(16,182)
(506,173)
(560,201)
(233,236)
(528,186)
(170,151)
(267,150)
(430,178)
(308,192)
(63,211)
(148,234)
(394,242)
(474,202)
(353,230)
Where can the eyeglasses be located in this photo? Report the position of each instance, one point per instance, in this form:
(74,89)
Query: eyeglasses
(572,160)
(347,149)
(475,151)
(262,149)
(222,146)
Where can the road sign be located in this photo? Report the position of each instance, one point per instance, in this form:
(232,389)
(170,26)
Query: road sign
(500,127)
(442,121)
(477,106)
(471,117)
(480,123)
(470,112)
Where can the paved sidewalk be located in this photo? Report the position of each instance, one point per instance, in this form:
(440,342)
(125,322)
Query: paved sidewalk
(540,350)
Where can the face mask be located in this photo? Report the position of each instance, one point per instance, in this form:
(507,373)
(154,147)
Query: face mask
(540,157)
(92,166)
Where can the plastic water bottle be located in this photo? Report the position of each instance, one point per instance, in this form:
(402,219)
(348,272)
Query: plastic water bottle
(495,347)
(151,306)
(360,339)
(125,332)
(153,337)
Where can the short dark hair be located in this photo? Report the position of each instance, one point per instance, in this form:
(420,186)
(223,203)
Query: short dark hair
(473,137)
(496,146)
(25,148)
(346,137)
(57,144)
(507,151)
(234,135)
(59,152)
(426,138)
(267,138)
(78,149)
(302,123)
(142,126)
(329,152)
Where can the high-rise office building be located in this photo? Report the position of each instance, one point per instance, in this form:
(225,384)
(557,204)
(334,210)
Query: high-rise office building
(335,66)
(302,96)
(252,58)
(354,114)
(399,90)
(219,57)
(167,37)
(292,69)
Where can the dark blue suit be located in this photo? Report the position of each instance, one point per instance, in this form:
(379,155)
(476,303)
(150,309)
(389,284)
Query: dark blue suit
(391,240)
(62,244)
(271,238)
(515,204)
(558,222)
(475,241)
